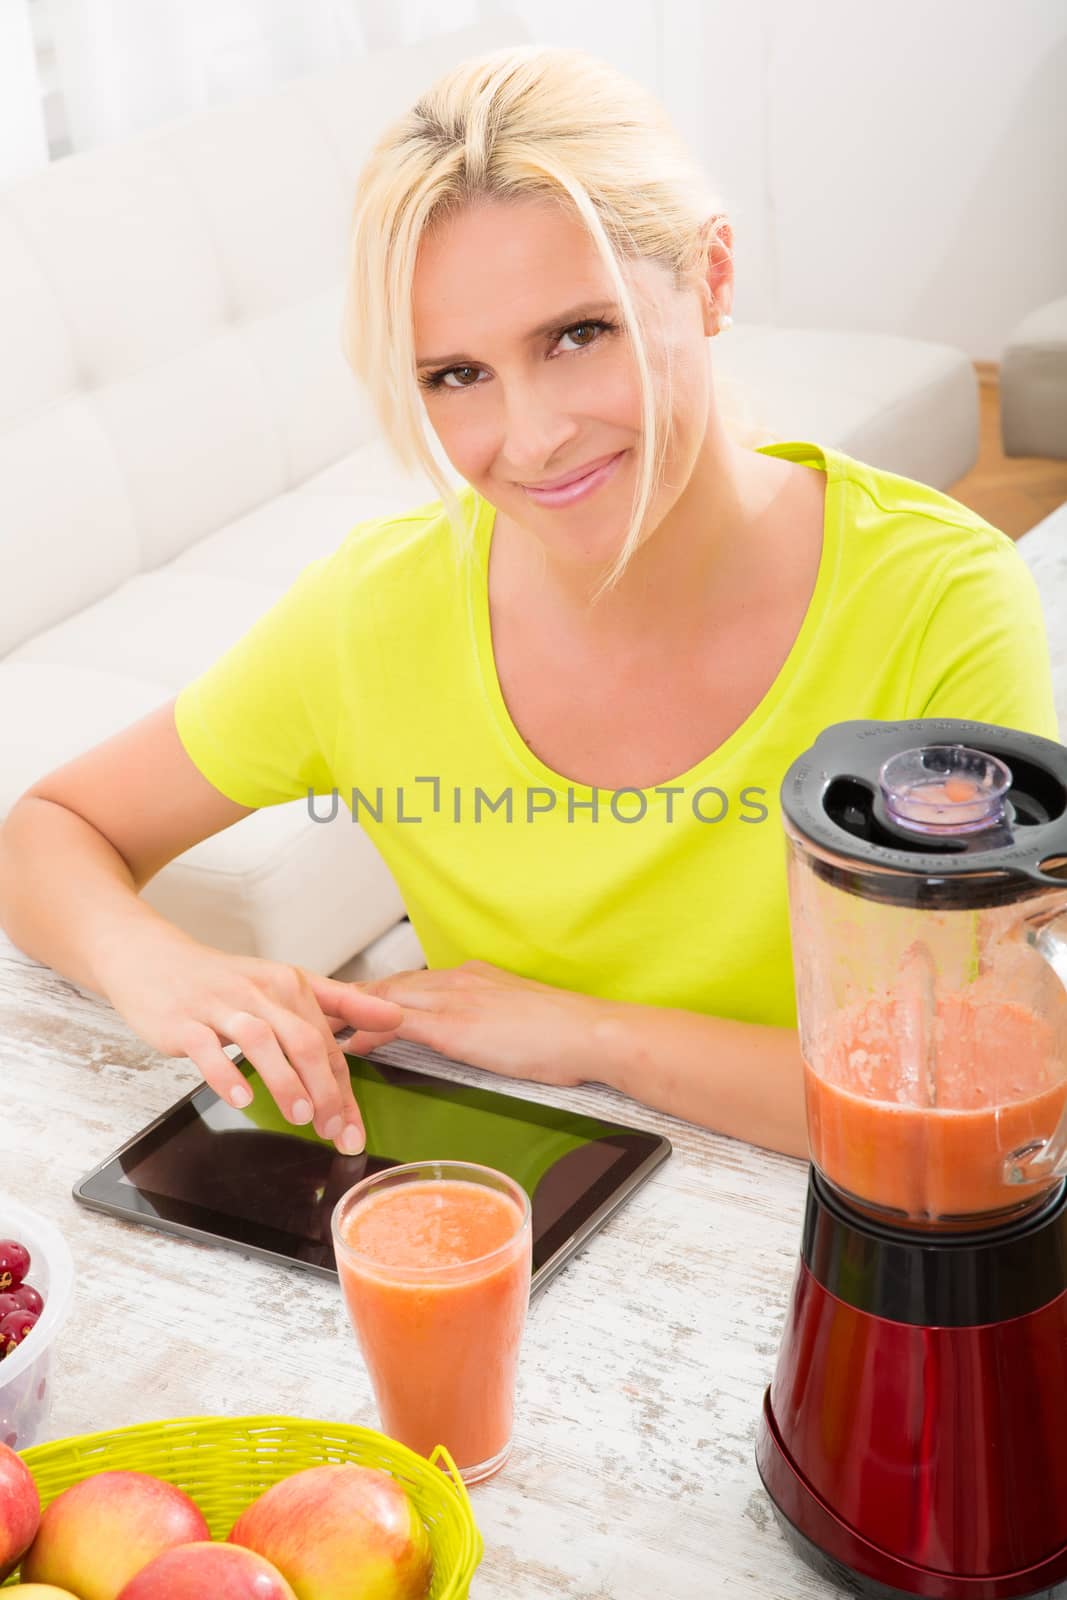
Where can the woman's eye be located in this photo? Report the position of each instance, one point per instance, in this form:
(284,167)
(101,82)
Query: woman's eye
(440,380)
(591,326)
(452,372)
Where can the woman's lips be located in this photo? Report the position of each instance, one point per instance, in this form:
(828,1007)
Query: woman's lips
(578,488)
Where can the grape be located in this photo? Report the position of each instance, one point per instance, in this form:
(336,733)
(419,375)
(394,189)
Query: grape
(14,1328)
(14,1263)
(26,1298)
(8,1302)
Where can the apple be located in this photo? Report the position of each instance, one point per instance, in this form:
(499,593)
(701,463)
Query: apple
(42,1591)
(223,1571)
(339,1531)
(98,1533)
(20,1510)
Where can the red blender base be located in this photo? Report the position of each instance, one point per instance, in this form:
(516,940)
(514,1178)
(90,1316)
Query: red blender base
(913,1441)
(843,1556)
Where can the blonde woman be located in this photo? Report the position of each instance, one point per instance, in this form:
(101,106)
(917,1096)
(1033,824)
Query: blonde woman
(561,701)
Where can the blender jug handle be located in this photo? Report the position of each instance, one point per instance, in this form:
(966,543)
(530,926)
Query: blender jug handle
(1044,1158)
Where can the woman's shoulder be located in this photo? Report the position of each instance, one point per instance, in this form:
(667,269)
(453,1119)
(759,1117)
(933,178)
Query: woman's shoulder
(890,501)
(878,499)
(405,546)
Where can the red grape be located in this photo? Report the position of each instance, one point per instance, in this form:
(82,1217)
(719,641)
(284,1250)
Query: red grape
(26,1298)
(14,1263)
(14,1328)
(8,1302)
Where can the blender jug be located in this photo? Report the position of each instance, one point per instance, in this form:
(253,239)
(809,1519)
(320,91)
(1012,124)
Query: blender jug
(928,929)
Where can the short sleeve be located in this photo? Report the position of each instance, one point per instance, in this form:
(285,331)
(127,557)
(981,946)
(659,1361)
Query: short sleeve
(260,722)
(984,654)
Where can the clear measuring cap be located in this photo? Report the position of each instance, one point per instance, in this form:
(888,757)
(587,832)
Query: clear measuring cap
(945,788)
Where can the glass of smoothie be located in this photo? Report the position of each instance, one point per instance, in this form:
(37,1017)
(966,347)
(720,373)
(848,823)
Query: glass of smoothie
(435,1259)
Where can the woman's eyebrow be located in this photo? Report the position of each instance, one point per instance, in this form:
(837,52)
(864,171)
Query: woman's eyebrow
(588,308)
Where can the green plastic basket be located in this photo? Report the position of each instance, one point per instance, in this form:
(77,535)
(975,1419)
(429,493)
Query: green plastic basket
(225,1463)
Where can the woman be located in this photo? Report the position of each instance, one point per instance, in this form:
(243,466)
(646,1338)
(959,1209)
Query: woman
(562,714)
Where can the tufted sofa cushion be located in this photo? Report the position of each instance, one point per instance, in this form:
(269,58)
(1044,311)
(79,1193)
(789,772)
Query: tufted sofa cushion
(1033,385)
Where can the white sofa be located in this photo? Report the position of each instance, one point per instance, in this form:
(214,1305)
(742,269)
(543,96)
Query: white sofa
(1033,385)
(179,436)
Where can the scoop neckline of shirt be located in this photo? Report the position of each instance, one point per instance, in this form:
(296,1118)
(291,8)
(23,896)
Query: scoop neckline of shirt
(808,454)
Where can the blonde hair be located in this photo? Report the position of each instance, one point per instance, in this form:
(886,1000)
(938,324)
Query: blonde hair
(528,122)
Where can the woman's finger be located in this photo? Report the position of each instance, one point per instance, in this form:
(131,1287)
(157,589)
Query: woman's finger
(348,1000)
(205,1051)
(344,1125)
(319,1061)
(351,1137)
(258,1044)
(363,1040)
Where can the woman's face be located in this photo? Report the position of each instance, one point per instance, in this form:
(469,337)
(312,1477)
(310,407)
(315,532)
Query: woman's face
(527,374)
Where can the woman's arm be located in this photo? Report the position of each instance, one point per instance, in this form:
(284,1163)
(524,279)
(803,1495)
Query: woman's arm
(741,1078)
(745,1079)
(75,851)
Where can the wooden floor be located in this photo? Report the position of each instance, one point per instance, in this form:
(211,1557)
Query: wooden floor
(1011,492)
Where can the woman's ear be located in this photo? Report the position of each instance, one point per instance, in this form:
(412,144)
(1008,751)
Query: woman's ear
(719,273)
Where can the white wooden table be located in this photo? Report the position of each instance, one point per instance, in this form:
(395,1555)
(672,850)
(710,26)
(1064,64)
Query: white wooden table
(643,1367)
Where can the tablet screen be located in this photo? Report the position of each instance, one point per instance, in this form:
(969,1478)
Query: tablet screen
(251,1179)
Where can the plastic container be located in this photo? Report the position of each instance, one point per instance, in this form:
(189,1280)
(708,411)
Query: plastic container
(225,1463)
(26,1374)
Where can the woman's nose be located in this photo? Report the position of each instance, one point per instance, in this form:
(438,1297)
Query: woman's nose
(535,436)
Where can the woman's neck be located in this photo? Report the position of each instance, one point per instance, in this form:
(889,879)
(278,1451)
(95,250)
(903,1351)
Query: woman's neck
(693,567)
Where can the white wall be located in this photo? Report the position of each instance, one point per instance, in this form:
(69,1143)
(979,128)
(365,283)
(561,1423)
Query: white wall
(918,164)
(889,165)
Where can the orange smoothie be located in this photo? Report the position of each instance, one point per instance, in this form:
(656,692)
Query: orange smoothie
(931,1142)
(436,1277)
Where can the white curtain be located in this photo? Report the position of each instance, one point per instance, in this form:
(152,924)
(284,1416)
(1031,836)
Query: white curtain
(23,143)
(126,65)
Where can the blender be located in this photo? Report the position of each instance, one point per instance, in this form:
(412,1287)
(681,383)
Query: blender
(913,1440)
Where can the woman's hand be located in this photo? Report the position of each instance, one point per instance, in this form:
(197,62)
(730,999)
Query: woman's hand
(491,1018)
(189,999)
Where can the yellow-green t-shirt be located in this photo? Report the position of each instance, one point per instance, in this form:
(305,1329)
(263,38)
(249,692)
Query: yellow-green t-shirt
(374,676)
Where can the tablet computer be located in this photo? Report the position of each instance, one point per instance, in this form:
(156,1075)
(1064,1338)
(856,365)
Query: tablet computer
(250,1180)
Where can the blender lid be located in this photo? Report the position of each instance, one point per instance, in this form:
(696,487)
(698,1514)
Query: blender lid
(934,811)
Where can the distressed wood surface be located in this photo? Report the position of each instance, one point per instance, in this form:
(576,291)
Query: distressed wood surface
(643,1366)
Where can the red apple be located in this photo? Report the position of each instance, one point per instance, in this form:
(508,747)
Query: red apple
(20,1510)
(340,1531)
(223,1571)
(98,1533)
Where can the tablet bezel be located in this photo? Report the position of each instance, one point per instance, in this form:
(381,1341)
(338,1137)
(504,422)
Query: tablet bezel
(101,1189)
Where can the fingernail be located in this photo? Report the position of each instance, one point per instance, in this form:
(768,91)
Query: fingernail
(303,1111)
(352,1140)
(332,1128)
(241,1095)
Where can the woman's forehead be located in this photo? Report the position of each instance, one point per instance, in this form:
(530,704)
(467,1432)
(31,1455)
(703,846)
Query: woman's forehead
(506,235)
(514,266)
